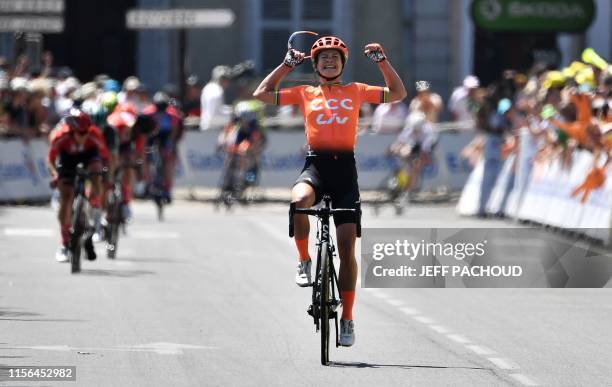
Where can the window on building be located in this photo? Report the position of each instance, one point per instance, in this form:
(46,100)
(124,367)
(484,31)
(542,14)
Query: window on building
(279,18)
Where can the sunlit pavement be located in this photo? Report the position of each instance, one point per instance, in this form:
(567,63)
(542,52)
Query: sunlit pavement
(207,298)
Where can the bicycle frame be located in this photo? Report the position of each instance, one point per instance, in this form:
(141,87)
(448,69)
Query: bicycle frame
(323,311)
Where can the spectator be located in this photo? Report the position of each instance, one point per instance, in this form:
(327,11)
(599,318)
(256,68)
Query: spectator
(211,101)
(192,106)
(462,103)
(498,123)
(15,108)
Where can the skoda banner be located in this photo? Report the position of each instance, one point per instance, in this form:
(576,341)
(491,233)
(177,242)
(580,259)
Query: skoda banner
(533,15)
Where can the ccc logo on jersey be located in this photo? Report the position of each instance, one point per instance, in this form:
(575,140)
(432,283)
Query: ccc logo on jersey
(318,104)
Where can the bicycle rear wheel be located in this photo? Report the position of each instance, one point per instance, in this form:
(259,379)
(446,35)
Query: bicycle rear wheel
(325,303)
(115,220)
(78,229)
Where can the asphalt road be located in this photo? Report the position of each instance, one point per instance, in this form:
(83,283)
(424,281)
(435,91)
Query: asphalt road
(207,298)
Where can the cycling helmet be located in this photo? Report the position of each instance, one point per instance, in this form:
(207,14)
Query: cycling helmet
(131,83)
(244,111)
(326,43)
(109,101)
(77,120)
(112,85)
(161,100)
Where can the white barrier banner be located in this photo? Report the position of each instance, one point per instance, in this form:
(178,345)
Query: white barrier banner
(23,173)
(283,160)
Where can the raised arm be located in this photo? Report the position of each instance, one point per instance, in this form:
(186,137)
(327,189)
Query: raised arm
(397,91)
(265,90)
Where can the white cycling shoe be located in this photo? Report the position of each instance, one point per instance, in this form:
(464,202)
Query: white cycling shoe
(302,277)
(62,254)
(347,333)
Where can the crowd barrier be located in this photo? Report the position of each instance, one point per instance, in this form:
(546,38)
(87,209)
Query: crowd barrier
(546,199)
(283,159)
(23,175)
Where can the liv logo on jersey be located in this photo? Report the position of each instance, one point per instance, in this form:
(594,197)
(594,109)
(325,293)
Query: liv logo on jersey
(331,104)
(322,121)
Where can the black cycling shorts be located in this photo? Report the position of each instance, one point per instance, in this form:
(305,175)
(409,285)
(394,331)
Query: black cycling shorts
(333,174)
(66,167)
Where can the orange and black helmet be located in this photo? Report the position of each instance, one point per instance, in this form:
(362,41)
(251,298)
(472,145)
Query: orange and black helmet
(327,43)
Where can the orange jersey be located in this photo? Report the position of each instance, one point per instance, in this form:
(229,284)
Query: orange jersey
(331,112)
(576,130)
(583,107)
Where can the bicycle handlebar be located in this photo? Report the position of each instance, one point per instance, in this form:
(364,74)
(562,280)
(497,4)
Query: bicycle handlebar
(324,212)
(82,172)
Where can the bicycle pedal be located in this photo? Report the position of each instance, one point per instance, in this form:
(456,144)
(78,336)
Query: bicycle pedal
(336,305)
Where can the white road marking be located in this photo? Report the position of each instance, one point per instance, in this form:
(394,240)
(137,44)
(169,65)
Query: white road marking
(159,348)
(524,379)
(410,311)
(29,232)
(275,233)
(480,349)
(374,290)
(395,302)
(458,338)
(61,348)
(167,348)
(119,262)
(423,319)
(152,235)
(439,329)
(503,364)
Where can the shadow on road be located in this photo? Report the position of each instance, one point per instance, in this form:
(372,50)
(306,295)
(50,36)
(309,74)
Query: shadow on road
(340,364)
(151,260)
(18,315)
(117,273)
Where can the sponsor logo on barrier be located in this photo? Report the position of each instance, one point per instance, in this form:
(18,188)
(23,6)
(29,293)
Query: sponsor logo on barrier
(22,170)
(456,164)
(42,169)
(204,162)
(31,165)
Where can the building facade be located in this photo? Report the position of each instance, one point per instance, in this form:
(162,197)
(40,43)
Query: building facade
(434,40)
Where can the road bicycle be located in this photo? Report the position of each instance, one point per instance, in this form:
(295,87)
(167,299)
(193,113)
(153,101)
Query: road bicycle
(115,218)
(81,229)
(325,293)
(155,185)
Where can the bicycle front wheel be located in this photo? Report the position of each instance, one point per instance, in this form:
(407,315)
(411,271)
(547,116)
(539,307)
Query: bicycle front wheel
(325,302)
(78,228)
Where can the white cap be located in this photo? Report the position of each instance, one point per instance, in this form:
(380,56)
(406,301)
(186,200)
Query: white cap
(219,72)
(131,84)
(19,83)
(471,82)
(88,90)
